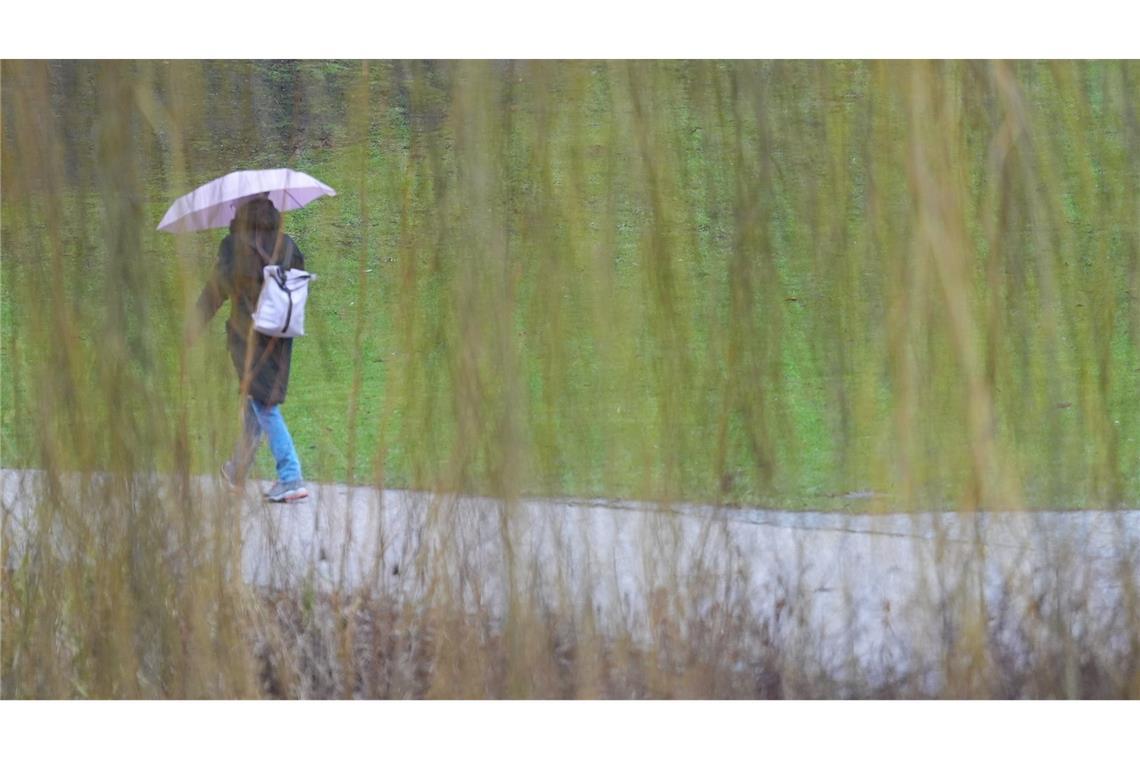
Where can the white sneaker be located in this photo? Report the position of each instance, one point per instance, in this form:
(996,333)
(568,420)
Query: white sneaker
(229,475)
(281,492)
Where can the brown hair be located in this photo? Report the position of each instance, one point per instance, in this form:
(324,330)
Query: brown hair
(257,223)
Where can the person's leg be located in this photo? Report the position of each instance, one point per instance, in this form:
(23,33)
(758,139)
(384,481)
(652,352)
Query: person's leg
(250,440)
(272,423)
(238,466)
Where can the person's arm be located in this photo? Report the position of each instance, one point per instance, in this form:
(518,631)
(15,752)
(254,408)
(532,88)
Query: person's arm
(297,260)
(213,295)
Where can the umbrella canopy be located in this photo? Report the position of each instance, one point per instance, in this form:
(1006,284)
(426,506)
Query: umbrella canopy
(213,204)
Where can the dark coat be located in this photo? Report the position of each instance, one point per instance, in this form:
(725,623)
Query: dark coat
(262,364)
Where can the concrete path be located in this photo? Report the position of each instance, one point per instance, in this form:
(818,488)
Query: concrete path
(866,589)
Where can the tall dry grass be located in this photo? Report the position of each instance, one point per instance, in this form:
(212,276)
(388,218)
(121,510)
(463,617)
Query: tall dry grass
(724,282)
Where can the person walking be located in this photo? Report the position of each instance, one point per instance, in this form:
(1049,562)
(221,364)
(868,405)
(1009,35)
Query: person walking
(262,362)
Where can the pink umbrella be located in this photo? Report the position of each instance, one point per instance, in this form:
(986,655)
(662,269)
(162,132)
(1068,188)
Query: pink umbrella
(213,204)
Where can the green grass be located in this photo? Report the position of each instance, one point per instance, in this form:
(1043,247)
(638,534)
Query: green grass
(735,282)
(685,295)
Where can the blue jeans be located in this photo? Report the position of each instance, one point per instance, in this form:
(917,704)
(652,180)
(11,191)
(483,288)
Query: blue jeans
(265,419)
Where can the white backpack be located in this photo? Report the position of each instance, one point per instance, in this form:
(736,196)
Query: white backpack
(280,309)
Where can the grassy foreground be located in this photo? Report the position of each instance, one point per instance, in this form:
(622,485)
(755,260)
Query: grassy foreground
(736,282)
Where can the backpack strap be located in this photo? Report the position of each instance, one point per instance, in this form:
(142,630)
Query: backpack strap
(268,259)
(284,267)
